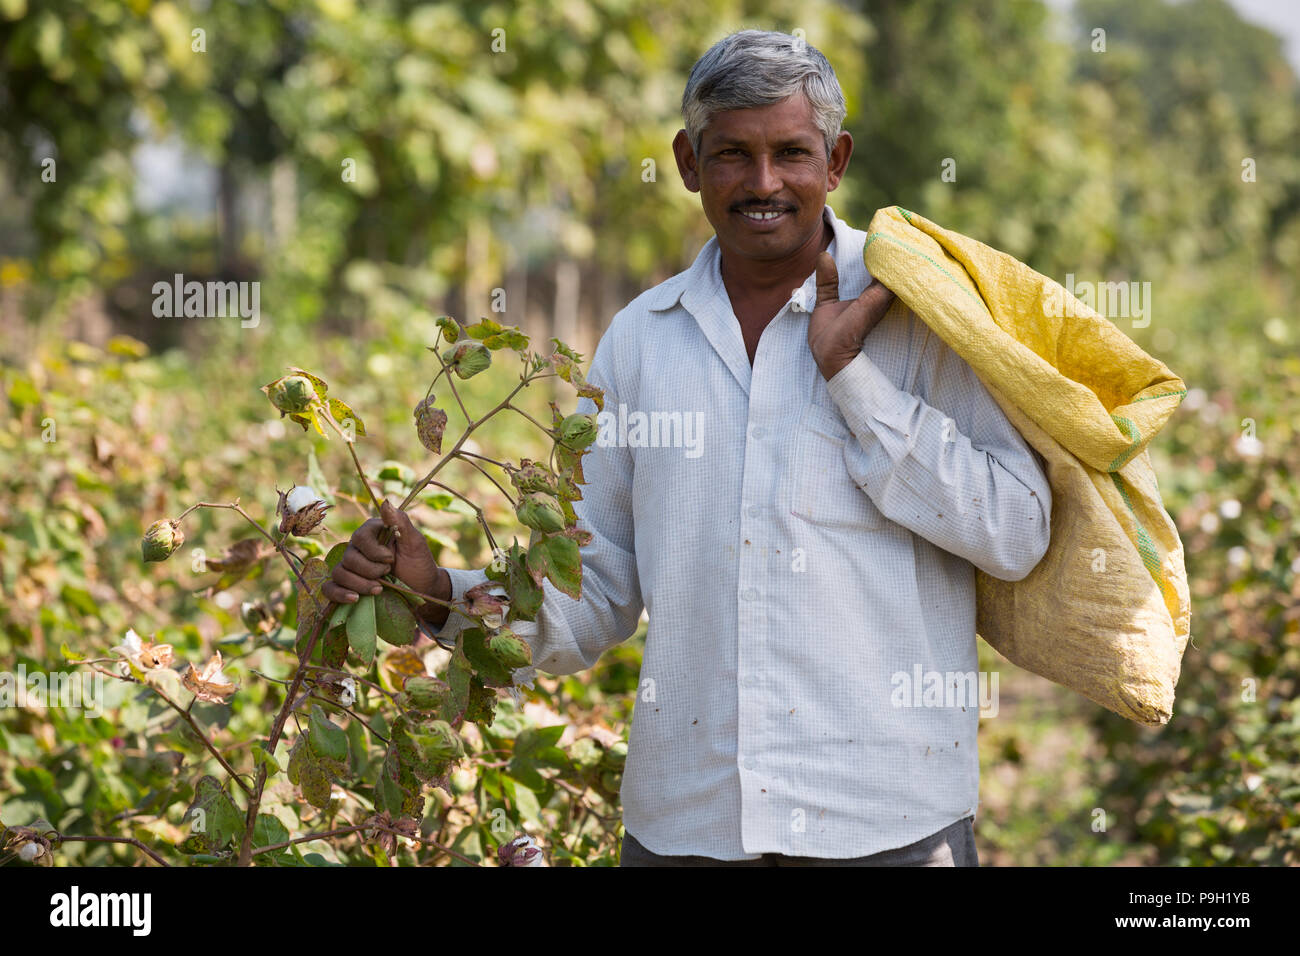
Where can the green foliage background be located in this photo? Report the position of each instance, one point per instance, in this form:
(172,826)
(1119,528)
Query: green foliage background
(1122,165)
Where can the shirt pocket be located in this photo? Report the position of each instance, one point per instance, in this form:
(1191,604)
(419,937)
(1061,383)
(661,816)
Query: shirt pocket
(824,493)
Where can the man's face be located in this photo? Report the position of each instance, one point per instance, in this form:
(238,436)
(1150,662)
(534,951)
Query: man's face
(763,176)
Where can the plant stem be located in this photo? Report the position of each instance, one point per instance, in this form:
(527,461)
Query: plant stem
(361,474)
(453,605)
(311,836)
(427,842)
(515,408)
(189,719)
(478,512)
(484,472)
(108,839)
(503,404)
(234,506)
(455,394)
(277,728)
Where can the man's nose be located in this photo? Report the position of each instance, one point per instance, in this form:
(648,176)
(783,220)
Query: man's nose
(763,180)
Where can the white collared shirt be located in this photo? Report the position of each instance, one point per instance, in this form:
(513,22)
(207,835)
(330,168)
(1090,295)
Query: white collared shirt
(805,551)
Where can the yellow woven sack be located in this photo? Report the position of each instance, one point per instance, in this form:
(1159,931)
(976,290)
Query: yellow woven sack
(1106,612)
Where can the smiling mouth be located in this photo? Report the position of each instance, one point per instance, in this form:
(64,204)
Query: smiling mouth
(762,215)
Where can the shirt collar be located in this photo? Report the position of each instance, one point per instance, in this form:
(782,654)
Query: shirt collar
(705,273)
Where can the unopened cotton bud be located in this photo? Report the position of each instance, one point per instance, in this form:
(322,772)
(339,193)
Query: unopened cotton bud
(292,394)
(578,431)
(467,359)
(161,540)
(510,650)
(541,512)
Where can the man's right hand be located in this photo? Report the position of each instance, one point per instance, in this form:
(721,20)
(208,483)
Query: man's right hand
(366,560)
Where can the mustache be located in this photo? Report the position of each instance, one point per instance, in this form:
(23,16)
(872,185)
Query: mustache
(762,207)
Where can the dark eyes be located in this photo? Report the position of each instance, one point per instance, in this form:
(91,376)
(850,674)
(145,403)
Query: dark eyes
(788,150)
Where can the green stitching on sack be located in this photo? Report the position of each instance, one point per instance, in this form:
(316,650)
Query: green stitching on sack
(1146,547)
(1131,432)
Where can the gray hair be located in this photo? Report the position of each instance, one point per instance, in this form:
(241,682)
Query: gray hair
(758,68)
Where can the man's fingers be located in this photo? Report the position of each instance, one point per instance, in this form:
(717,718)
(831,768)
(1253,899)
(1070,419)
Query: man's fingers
(357,562)
(876,297)
(366,540)
(351,583)
(409,540)
(828,279)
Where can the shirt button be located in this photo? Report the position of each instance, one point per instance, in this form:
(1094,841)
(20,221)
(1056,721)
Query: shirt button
(759,432)
(749,594)
(751,681)
(754,511)
(750,763)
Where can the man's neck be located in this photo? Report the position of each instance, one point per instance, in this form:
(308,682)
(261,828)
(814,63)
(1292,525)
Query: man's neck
(756,278)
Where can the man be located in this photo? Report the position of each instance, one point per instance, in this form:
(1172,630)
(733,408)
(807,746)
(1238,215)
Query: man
(818,542)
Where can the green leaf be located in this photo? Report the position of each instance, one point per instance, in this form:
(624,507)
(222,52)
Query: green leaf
(327,738)
(315,783)
(533,739)
(468,843)
(340,616)
(267,760)
(23,393)
(399,791)
(394,620)
(295,761)
(450,328)
(268,831)
(341,412)
(482,329)
(362,628)
(460,675)
(334,649)
(527,804)
(489,670)
(70,655)
(214,819)
(558,559)
(564,350)
(525,595)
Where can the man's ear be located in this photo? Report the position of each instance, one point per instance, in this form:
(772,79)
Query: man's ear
(839,160)
(686,161)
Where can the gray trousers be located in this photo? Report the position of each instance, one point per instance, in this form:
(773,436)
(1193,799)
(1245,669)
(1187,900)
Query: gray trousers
(952,846)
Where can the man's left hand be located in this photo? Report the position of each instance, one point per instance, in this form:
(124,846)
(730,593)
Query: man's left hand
(836,329)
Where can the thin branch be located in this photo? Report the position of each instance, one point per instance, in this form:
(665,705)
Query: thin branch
(360,473)
(108,839)
(234,506)
(478,512)
(502,405)
(341,831)
(427,842)
(447,371)
(277,728)
(189,719)
(483,471)
(516,408)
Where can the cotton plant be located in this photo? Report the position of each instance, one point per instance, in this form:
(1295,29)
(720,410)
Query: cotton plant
(429,718)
